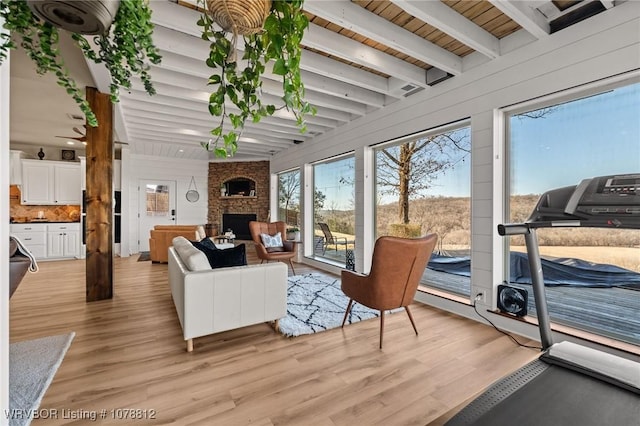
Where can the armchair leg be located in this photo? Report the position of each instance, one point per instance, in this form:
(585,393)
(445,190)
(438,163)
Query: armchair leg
(347,312)
(381,327)
(406,308)
(189,345)
(291,264)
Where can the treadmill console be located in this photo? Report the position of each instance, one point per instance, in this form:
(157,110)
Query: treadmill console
(606,195)
(604,201)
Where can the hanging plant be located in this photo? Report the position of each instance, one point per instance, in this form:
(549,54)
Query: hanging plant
(126,48)
(278,39)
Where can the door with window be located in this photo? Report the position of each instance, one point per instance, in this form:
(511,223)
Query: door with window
(156,206)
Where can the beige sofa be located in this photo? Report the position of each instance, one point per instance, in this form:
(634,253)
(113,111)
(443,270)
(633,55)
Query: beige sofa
(163,235)
(212,300)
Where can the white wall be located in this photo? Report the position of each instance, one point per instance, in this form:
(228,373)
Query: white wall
(179,170)
(586,52)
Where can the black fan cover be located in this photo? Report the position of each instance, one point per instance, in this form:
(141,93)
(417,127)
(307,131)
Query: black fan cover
(512,300)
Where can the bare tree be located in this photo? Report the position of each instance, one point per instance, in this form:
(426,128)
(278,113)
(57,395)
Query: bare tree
(289,192)
(409,169)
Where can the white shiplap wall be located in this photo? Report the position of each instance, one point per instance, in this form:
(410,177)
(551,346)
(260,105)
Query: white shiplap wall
(586,52)
(152,167)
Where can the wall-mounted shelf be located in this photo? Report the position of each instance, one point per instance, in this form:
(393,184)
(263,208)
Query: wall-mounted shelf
(237,197)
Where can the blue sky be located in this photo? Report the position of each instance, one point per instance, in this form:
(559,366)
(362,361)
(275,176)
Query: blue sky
(594,136)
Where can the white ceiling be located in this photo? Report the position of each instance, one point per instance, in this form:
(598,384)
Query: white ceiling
(357,59)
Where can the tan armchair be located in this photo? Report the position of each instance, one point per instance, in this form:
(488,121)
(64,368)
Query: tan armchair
(285,254)
(396,269)
(162,237)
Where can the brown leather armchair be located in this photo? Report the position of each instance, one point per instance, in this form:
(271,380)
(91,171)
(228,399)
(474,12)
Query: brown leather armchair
(286,253)
(161,238)
(396,269)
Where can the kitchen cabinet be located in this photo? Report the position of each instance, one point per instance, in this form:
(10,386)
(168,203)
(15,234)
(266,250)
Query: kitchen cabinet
(15,163)
(33,236)
(50,182)
(49,240)
(63,240)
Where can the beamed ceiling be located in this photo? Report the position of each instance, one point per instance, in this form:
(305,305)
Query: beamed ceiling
(359,56)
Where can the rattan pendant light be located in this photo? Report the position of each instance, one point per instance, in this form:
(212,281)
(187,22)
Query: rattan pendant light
(240,17)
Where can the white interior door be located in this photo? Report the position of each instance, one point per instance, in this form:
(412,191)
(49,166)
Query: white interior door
(156,206)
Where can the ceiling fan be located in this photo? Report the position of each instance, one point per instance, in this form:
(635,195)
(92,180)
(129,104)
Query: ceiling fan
(81,138)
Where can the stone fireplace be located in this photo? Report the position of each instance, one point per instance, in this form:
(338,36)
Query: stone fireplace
(238,223)
(236,202)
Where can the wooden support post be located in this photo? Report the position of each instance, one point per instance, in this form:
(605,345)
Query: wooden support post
(99,193)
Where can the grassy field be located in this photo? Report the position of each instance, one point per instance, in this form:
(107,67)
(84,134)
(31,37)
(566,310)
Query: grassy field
(450,218)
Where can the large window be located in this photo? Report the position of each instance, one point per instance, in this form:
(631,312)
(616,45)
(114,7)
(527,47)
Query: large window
(423,186)
(289,198)
(559,144)
(334,210)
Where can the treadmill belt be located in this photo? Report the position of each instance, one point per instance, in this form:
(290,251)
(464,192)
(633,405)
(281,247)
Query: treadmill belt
(558,396)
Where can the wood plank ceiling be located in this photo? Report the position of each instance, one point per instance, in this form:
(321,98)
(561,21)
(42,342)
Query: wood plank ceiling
(359,56)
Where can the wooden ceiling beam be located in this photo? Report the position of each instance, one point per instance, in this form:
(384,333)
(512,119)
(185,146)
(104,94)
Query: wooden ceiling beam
(447,20)
(527,16)
(359,20)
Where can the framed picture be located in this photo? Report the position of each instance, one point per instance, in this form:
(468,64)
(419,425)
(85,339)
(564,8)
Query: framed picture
(68,154)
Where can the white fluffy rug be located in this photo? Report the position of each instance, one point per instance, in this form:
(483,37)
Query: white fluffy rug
(315,303)
(32,365)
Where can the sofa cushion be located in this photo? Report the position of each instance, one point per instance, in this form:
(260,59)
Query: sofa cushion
(194,259)
(218,258)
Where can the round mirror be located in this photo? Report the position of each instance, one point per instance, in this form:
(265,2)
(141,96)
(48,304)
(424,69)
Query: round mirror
(192,196)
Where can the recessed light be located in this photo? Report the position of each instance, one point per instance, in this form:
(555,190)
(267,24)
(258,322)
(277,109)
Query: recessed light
(71,143)
(181,150)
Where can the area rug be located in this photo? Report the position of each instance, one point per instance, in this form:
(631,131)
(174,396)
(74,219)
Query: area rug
(315,303)
(32,365)
(144,256)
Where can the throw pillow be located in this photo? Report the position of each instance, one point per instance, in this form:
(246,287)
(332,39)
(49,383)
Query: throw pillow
(206,242)
(193,259)
(271,241)
(218,258)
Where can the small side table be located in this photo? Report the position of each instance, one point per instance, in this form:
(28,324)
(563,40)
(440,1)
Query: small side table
(223,239)
(298,247)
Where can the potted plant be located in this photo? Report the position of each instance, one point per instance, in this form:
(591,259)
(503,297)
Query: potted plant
(125,48)
(274,34)
(293,233)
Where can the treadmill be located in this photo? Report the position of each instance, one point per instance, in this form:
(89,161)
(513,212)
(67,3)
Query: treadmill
(568,384)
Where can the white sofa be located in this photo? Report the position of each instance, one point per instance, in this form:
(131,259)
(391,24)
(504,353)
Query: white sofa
(213,300)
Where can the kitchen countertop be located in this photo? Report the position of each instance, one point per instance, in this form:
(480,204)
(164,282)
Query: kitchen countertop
(43,221)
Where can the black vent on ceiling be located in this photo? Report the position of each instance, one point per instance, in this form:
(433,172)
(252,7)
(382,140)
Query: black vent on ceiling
(575,16)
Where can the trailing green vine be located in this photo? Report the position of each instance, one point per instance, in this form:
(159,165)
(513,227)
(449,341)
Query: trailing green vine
(126,48)
(240,84)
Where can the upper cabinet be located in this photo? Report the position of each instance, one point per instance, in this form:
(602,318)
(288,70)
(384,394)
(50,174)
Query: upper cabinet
(50,182)
(15,177)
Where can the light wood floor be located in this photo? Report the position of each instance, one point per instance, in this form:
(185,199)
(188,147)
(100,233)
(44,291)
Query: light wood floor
(128,353)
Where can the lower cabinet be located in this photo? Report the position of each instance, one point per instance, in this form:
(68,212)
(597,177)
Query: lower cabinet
(49,241)
(34,236)
(63,240)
